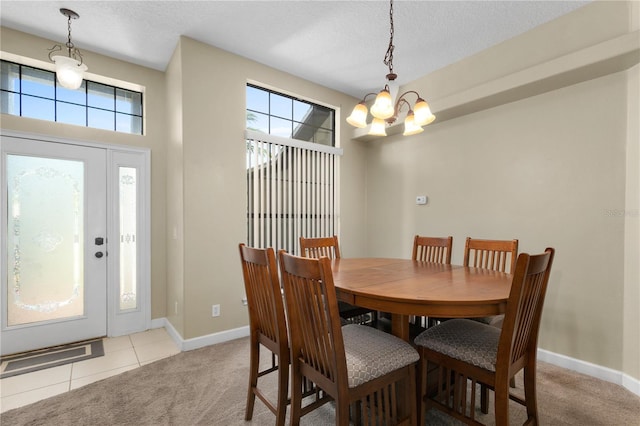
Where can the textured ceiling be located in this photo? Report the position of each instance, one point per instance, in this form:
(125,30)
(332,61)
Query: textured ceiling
(338,44)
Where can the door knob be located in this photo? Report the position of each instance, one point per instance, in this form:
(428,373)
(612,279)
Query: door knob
(99,254)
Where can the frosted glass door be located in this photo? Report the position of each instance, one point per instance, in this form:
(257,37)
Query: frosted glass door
(54,288)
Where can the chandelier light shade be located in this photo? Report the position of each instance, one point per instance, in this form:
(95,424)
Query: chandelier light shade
(70,68)
(383,110)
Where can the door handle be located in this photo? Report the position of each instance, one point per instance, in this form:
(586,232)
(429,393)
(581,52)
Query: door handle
(99,254)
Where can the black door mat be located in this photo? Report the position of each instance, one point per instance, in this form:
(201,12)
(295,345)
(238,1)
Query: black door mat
(28,362)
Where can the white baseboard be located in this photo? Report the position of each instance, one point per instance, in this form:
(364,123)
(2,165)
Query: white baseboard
(593,370)
(584,367)
(202,341)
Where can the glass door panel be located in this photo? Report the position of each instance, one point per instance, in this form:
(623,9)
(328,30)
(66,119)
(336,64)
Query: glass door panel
(54,271)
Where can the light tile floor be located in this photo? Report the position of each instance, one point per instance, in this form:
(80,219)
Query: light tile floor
(120,354)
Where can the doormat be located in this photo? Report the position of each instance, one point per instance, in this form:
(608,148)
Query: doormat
(28,362)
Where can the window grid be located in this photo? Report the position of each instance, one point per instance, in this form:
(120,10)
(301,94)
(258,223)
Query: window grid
(316,125)
(134,125)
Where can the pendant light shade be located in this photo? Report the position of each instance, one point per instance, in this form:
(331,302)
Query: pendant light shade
(383,106)
(422,112)
(410,126)
(69,71)
(358,117)
(378,127)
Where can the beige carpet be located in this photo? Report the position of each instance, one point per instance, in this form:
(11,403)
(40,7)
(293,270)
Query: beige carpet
(208,387)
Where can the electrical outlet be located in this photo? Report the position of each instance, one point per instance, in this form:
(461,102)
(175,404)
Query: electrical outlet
(215,310)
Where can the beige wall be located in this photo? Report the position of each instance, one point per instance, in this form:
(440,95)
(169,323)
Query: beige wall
(24,45)
(213,86)
(549,169)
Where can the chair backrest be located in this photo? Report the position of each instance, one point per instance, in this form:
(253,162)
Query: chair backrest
(318,247)
(491,254)
(432,249)
(315,328)
(519,339)
(264,296)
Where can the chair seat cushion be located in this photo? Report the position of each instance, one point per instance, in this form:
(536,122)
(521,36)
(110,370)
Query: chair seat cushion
(372,353)
(470,341)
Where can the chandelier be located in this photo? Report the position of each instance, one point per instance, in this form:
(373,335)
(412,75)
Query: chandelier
(70,68)
(384,111)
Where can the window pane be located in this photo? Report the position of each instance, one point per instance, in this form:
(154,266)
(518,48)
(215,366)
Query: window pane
(301,110)
(128,124)
(37,82)
(10,103)
(45,251)
(128,102)
(42,109)
(100,119)
(128,246)
(324,137)
(281,106)
(100,96)
(10,77)
(257,100)
(280,127)
(258,122)
(72,114)
(78,96)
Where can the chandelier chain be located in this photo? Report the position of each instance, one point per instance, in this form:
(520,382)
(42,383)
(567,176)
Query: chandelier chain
(69,43)
(388,57)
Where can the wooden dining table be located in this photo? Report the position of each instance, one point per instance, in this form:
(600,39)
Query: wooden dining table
(406,287)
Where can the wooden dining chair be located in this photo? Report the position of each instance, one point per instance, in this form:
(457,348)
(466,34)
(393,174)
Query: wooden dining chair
(465,350)
(497,255)
(368,373)
(329,247)
(432,250)
(267,327)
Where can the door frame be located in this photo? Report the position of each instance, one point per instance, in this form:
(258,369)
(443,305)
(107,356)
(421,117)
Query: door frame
(118,322)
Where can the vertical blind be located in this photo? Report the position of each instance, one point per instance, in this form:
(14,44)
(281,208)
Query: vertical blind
(292,191)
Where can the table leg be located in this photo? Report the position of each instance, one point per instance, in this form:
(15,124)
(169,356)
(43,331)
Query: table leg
(400,326)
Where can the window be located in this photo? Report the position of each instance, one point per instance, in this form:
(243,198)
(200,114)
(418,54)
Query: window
(292,170)
(35,93)
(288,117)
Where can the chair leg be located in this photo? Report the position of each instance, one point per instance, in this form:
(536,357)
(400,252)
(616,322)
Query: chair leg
(296,395)
(342,414)
(484,399)
(530,393)
(283,391)
(254,365)
(502,404)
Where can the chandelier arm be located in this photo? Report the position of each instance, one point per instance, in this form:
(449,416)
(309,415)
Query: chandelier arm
(55,48)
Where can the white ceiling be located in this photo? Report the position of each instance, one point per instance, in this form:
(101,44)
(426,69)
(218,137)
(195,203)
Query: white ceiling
(338,44)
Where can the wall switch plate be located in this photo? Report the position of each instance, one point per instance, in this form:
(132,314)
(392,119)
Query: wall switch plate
(421,199)
(215,310)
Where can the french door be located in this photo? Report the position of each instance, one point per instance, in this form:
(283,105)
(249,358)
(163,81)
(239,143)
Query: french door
(61,280)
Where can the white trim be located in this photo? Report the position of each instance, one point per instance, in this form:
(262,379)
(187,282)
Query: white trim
(202,341)
(71,141)
(593,370)
(310,146)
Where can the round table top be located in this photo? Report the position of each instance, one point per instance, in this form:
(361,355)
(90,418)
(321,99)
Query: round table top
(409,287)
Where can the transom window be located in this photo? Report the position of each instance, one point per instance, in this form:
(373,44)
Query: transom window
(32,92)
(281,115)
